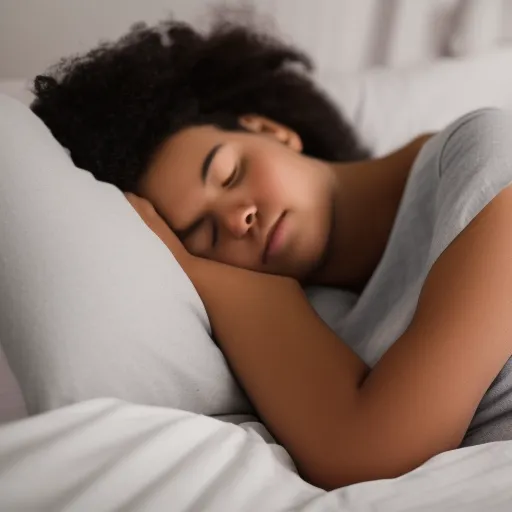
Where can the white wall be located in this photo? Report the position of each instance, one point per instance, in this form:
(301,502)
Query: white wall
(347,35)
(36,33)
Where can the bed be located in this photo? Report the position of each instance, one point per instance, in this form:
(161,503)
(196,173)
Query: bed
(101,447)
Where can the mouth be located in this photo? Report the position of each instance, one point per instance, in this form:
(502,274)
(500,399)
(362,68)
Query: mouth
(274,238)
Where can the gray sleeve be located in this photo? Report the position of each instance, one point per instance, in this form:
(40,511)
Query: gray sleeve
(474,166)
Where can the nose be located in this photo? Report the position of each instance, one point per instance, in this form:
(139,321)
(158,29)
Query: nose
(240,220)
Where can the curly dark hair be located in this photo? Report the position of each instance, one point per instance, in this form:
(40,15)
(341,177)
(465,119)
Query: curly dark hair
(113,106)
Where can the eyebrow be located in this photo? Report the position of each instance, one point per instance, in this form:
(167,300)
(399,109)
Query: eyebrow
(205,168)
(207,161)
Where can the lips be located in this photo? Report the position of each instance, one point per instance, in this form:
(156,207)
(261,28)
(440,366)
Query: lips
(271,237)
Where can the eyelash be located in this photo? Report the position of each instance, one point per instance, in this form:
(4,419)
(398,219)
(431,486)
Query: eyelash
(231,181)
(232,178)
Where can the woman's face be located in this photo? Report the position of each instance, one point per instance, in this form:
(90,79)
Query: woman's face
(248,199)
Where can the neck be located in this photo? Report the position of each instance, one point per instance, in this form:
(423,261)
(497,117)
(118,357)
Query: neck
(366,199)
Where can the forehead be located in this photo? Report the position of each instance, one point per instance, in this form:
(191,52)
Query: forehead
(179,157)
(172,180)
(188,144)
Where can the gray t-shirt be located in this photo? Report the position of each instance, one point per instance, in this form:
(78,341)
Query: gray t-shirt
(456,174)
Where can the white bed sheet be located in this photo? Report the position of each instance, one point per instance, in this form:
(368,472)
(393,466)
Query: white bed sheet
(105,455)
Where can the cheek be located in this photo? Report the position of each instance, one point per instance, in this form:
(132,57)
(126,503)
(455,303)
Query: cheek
(272,187)
(273,182)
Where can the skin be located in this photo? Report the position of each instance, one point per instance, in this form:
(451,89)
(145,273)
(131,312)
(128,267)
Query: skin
(341,422)
(330,236)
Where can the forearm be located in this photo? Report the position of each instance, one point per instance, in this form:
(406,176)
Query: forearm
(295,369)
(304,381)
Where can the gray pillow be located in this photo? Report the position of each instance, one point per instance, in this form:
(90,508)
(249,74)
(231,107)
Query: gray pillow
(92,304)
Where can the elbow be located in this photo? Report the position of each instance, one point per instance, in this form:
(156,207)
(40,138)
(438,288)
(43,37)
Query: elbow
(328,481)
(339,468)
(335,470)
(329,477)
(363,450)
(335,476)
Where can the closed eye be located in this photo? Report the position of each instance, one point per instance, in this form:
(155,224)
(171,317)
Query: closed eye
(233,178)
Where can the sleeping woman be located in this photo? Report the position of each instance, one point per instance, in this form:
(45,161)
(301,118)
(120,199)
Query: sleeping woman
(259,188)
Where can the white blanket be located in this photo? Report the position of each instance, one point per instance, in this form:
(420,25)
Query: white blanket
(108,455)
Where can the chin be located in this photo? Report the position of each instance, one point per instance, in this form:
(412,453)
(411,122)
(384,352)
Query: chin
(309,265)
(307,254)
(319,259)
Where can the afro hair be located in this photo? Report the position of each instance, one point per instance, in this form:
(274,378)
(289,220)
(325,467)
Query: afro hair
(112,107)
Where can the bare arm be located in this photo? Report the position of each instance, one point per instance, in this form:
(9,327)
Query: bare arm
(341,424)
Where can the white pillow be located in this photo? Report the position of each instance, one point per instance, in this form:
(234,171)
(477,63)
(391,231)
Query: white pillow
(92,304)
(18,89)
(388,107)
(12,405)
